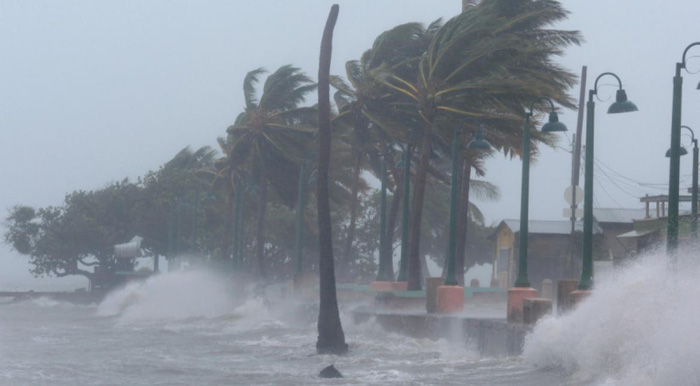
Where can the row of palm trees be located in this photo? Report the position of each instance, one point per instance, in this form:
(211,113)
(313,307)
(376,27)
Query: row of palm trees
(407,94)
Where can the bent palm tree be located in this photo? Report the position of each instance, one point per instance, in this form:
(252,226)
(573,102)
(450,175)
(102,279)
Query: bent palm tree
(271,137)
(487,62)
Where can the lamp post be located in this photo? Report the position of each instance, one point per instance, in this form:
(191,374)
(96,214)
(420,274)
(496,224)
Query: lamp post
(450,296)
(621,105)
(382,271)
(553,125)
(450,278)
(694,189)
(674,174)
(521,288)
(403,264)
(478,143)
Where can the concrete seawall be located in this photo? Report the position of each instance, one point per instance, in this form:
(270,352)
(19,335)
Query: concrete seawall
(490,336)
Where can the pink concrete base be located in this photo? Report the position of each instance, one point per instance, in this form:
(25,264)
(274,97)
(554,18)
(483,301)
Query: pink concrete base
(400,285)
(382,286)
(450,299)
(578,296)
(515,302)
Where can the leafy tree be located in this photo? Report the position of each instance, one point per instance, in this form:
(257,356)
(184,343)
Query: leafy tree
(67,240)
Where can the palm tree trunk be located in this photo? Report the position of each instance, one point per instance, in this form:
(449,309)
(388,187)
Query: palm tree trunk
(260,236)
(331,338)
(414,263)
(391,223)
(391,227)
(228,227)
(353,213)
(463,220)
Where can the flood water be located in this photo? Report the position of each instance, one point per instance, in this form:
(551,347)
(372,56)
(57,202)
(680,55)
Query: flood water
(187,329)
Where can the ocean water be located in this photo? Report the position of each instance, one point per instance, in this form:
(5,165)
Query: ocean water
(192,328)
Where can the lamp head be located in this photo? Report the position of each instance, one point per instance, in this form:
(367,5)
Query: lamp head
(553,125)
(681,152)
(479,142)
(698,88)
(621,105)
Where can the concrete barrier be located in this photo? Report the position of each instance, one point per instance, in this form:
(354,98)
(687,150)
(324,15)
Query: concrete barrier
(431,286)
(564,288)
(536,308)
(491,337)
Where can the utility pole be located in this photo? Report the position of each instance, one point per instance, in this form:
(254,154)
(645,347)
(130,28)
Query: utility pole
(575,167)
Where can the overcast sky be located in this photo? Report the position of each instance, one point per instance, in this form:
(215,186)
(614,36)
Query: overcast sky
(92,92)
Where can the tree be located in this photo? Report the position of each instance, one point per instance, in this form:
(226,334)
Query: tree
(365,106)
(68,240)
(331,338)
(173,183)
(488,63)
(270,138)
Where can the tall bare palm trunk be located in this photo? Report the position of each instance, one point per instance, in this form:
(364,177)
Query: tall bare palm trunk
(414,264)
(391,228)
(331,338)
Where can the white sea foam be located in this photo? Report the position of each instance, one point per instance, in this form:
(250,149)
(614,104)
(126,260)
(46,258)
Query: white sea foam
(638,328)
(171,296)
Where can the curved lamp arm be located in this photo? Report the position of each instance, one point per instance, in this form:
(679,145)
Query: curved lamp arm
(692,135)
(594,91)
(539,99)
(685,52)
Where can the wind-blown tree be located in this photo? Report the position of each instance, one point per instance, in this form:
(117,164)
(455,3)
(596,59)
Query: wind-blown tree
(331,338)
(366,101)
(487,63)
(271,138)
(80,234)
(174,182)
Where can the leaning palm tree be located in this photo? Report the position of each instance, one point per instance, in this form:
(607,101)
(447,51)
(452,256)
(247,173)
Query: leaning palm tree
(488,63)
(270,139)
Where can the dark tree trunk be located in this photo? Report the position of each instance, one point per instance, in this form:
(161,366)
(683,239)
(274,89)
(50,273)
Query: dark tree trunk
(260,234)
(331,338)
(391,227)
(463,221)
(228,227)
(350,238)
(414,265)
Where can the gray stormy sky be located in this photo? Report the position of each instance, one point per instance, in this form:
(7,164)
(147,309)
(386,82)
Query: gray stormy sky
(92,92)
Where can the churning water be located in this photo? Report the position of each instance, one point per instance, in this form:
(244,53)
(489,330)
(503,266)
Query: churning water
(640,328)
(193,329)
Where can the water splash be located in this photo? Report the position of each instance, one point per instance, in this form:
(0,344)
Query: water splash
(639,327)
(171,296)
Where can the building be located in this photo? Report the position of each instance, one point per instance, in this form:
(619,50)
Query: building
(553,253)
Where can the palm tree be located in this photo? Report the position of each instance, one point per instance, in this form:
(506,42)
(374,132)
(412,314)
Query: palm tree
(270,138)
(366,107)
(331,338)
(488,63)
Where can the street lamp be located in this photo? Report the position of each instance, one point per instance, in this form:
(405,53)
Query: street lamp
(406,163)
(553,125)
(674,174)
(450,296)
(382,274)
(694,204)
(621,105)
(477,143)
